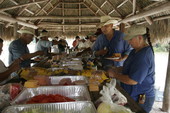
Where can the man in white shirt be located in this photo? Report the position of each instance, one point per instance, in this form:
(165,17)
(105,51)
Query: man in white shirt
(5,72)
(44,44)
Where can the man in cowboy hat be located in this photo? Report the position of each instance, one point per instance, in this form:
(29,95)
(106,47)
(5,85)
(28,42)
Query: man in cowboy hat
(18,48)
(110,42)
(44,44)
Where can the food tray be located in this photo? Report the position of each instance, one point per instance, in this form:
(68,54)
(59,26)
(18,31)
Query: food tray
(56,79)
(66,107)
(79,93)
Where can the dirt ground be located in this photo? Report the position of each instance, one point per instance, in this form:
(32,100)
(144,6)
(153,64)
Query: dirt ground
(156,108)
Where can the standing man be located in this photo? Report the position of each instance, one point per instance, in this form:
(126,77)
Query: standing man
(76,42)
(44,44)
(110,42)
(18,48)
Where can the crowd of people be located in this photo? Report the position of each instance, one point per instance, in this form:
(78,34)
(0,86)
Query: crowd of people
(135,68)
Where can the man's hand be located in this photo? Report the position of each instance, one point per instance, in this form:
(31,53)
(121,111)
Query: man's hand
(111,73)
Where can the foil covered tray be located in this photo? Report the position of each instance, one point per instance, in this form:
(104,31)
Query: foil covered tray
(79,93)
(66,107)
(56,79)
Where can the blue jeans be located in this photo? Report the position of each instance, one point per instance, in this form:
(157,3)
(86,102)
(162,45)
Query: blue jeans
(147,106)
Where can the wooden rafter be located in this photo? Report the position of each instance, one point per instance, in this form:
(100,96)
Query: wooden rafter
(24,9)
(60,17)
(63,15)
(79,19)
(115,9)
(155,10)
(148,19)
(118,7)
(156,19)
(13,20)
(101,6)
(1,1)
(49,11)
(21,5)
(134,7)
(98,7)
(90,8)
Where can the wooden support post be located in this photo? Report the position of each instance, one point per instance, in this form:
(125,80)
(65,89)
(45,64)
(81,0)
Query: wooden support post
(122,27)
(166,100)
(15,30)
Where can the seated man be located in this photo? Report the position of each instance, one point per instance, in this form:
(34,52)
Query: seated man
(18,48)
(5,72)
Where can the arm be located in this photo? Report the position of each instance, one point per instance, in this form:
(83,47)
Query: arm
(12,68)
(123,78)
(31,55)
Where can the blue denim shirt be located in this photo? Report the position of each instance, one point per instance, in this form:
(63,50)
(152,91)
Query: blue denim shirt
(140,67)
(116,45)
(17,49)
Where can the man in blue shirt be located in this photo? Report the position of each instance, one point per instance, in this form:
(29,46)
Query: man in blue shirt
(110,42)
(18,48)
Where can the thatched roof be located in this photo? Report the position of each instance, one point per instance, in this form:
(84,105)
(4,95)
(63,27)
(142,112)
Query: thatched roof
(80,17)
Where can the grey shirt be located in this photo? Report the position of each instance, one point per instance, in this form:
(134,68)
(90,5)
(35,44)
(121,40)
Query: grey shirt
(17,49)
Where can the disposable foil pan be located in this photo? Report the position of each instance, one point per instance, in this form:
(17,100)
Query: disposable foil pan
(56,79)
(66,107)
(79,93)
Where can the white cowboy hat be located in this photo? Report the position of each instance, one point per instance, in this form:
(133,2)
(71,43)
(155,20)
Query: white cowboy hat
(134,31)
(105,20)
(26,30)
(43,34)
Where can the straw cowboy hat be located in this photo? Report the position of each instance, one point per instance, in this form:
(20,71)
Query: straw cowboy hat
(134,31)
(43,34)
(26,30)
(105,20)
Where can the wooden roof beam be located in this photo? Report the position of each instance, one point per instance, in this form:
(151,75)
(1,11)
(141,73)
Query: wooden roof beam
(115,9)
(89,8)
(81,2)
(13,20)
(42,8)
(21,5)
(134,7)
(1,1)
(98,7)
(60,17)
(49,11)
(25,8)
(148,19)
(101,6)
(155,10)
(118,7)
(156,19)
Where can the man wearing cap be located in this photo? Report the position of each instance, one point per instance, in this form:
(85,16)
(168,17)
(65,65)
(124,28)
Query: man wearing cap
(110,42)
(137,75)
(44,44)
(18,48)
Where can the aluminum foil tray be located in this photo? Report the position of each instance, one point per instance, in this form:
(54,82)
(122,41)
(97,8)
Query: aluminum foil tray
(66,107)
(79,93)
(56,79)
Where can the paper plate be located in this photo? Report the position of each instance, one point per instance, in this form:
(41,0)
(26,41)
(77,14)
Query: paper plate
(115,58)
